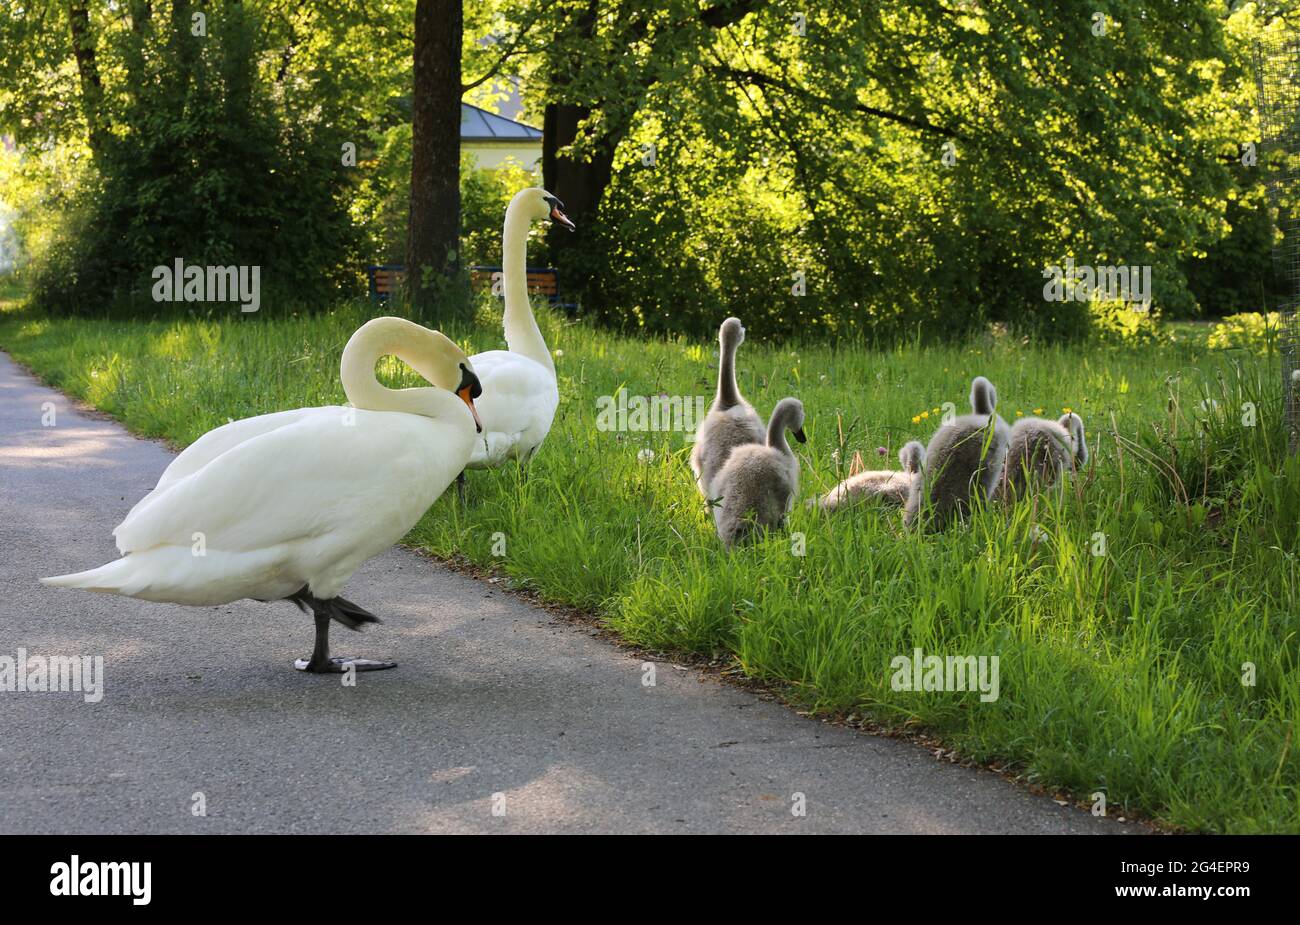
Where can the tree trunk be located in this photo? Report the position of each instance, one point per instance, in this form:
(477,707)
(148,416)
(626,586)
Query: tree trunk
(432,244)
(579,184)
(141,14)
(184,48)
(92,90)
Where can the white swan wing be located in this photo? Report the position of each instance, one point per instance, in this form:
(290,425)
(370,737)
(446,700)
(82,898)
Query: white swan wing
(221,439)
(517,406)
(218,440)
(310,480)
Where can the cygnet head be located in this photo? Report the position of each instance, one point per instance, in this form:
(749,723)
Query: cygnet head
(1073,425)
(912,457)
(983,397)
(731,334)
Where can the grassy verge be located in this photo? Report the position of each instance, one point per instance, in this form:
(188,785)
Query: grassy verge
(1121,668)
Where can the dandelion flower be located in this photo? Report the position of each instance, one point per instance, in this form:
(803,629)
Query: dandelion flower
(1066,410)
(916,419)
(935,411)
(1038,411)
(1020,414)
(925,414)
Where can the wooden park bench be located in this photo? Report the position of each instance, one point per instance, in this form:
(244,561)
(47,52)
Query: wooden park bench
(543,281)
(385,279)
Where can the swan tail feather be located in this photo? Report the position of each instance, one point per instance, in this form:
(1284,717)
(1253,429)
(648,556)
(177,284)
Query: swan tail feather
(349,614)
(340,609)
(111,578)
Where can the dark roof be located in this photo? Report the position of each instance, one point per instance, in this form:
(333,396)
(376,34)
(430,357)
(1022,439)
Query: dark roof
(480,125)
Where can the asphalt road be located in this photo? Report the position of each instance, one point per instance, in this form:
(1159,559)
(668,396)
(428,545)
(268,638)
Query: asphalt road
(498,718)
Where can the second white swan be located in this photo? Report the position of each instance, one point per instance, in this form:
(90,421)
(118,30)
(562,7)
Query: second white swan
(520,392)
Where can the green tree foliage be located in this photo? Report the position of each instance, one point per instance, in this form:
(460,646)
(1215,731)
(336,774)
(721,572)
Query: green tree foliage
(216,133)
(832,168)
(919,164)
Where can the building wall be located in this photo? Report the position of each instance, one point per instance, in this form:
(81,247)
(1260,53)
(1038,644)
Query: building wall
(493,154)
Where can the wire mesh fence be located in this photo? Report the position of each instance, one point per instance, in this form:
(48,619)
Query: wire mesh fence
(1277,78)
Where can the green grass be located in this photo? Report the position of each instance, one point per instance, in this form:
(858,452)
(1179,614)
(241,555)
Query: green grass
(1119,672)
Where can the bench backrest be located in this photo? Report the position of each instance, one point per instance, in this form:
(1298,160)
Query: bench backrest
(385,280)
(541,280)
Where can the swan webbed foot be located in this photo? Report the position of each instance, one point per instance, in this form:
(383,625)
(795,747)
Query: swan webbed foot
(340,664)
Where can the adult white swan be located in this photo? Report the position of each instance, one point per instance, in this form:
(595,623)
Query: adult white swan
(287,506)
(520,394)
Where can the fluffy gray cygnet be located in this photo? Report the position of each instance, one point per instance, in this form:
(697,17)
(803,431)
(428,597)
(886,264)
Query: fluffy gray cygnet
(963,462)
(758,483)
(887,486)
(1038,452)
(731,421)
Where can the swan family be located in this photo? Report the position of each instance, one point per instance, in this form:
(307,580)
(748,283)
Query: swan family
(287,506)
(750,476)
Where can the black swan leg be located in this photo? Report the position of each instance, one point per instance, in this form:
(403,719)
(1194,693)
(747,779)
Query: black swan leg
(325,611)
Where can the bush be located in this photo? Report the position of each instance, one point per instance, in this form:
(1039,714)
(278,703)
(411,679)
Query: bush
(1251,331)
(484,195)
(210,164)
(1121,323)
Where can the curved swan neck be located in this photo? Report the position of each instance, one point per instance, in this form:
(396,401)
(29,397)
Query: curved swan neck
(523,336)
(728,392)
(411,344)
(776,428)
